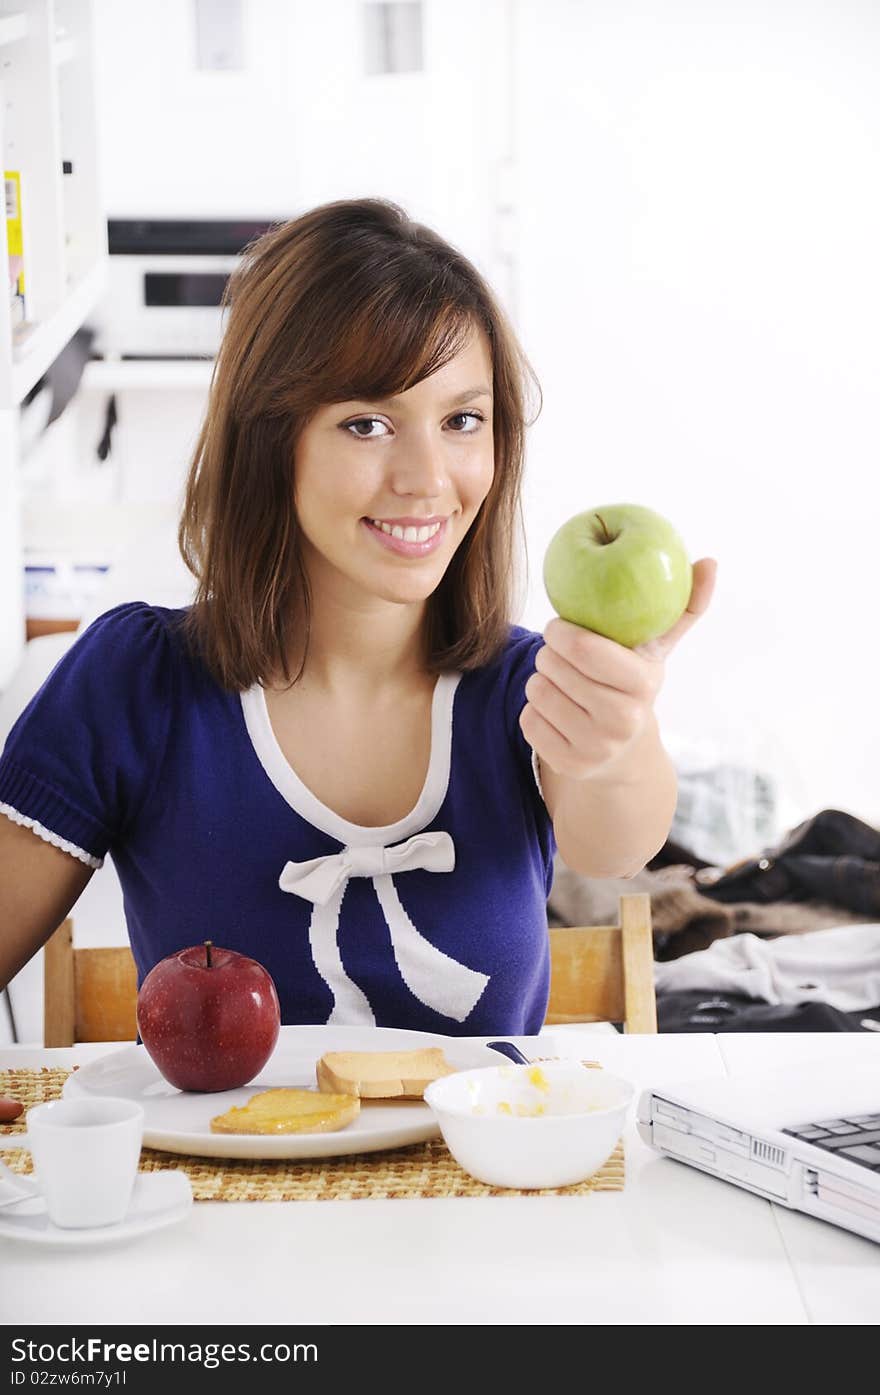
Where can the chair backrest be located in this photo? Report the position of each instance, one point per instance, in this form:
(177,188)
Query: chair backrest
(598,973)
(605,973)
(88,994)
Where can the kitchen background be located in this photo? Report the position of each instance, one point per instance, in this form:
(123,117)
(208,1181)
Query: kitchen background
(679,204)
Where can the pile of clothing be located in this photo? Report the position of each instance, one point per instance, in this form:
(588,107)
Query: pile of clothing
(723,959)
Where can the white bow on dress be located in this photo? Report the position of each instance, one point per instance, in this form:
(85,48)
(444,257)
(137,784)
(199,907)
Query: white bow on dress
(438,981)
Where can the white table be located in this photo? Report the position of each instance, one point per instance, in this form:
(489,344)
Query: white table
(676,1246)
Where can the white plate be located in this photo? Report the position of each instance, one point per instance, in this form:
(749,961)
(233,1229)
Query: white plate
(178,1122)
(158,1199)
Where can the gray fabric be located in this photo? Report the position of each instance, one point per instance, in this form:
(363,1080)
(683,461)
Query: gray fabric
(683,919)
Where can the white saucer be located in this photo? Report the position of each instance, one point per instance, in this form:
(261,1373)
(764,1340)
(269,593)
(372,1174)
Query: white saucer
(158,1199)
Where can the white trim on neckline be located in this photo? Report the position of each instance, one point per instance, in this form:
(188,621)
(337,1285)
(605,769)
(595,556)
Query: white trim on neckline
(308,806)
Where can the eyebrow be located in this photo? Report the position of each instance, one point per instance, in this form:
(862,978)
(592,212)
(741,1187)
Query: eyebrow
(469,395)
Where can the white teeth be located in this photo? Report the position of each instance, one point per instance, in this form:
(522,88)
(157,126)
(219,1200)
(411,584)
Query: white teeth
(407,534)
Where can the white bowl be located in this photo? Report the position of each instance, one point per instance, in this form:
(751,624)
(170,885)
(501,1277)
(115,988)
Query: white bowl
(550,1124)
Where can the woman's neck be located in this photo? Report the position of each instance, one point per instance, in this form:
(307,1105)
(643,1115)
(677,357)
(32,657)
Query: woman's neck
(364,648)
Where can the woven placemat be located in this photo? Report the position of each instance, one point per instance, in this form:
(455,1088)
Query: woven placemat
(422,1170)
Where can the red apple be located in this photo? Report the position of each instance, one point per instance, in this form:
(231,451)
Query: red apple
(208,1017)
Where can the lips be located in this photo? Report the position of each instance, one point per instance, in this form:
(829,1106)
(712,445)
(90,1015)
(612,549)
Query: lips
(401,546)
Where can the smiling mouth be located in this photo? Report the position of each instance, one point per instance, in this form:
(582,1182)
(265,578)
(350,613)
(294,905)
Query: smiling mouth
(408,534)
(409,541)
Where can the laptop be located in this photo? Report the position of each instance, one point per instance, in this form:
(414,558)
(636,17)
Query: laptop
(807,1137)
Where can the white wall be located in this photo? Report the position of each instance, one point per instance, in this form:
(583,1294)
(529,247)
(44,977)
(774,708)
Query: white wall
(696,284)
(700,293)
(303,122)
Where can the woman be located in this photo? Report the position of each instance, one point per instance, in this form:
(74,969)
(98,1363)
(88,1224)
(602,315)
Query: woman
(342,759)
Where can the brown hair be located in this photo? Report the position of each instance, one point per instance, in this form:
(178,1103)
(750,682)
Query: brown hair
(351,300)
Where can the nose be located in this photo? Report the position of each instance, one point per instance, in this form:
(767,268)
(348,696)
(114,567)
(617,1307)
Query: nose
(420,469)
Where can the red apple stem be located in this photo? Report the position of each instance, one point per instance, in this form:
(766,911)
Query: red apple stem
(208,953)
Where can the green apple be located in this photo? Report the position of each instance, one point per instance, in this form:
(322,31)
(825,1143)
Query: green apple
(620,570)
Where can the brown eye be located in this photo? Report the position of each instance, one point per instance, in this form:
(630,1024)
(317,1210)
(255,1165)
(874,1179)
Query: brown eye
(351,428)
(467,416)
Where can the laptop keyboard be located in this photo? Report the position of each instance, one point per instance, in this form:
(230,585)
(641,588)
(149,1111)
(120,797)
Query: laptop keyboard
(857,1139)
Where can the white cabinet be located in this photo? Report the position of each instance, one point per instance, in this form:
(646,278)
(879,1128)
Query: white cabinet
(48,137)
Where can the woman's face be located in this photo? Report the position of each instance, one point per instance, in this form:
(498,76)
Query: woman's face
(385,491)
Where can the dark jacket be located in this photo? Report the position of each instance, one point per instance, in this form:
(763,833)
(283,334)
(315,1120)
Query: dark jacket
(832,856)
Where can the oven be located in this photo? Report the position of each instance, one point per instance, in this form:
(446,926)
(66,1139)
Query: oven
(166,279)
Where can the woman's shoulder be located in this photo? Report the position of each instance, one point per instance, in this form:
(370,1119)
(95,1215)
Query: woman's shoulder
(82,755)
(134,653)
(501,682)
(135,631)
(520,643)
(131,624)
(516,655)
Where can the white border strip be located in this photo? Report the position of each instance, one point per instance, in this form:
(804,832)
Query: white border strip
(49,837)
(309,807)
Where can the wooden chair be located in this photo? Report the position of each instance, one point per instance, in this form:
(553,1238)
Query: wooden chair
(88,994)
(598,973)
(605,973)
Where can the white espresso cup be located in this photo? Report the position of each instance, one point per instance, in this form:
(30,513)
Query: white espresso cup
(86,1154)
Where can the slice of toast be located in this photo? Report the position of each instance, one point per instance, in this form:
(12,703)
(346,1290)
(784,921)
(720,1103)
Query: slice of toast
(289,1111)
(382,1074)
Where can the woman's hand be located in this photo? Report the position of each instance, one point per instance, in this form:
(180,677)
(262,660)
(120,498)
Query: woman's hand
(590,697)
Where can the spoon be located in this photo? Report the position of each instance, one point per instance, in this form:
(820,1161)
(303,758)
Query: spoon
(512,1052)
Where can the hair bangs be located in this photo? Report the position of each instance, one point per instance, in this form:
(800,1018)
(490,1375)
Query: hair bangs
(395,345)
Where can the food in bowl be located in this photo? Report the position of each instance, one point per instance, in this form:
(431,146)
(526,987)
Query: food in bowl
(531,1127)
(289,1111)
(382,1074)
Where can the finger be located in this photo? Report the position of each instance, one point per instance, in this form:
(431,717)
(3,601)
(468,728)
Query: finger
(596,658)
(702,590)
(599,699)
(543,737)
(610,717)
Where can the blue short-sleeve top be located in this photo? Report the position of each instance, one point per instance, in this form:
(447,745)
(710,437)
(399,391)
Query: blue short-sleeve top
(436,923)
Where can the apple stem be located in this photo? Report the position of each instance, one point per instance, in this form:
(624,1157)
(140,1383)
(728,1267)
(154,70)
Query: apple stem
(208,953)
(609,537)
